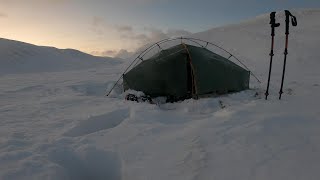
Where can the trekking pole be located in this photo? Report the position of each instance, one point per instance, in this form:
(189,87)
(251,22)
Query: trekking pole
(273,26)
(294,23)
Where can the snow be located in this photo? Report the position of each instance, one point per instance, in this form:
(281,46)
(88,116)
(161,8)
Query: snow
(57,124)
(18,57)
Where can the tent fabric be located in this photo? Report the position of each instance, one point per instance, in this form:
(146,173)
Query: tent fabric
(173,71)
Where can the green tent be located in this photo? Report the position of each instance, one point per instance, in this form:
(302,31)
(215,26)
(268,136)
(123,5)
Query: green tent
(185,71)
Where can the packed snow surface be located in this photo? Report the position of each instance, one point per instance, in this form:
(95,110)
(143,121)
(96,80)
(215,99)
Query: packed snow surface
(57,124)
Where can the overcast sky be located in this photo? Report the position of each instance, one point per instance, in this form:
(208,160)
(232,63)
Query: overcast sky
(104,27)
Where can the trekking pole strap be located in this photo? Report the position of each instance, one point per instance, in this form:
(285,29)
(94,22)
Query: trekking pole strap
(293,20)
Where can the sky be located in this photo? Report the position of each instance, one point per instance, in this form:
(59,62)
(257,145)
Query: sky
(115,27)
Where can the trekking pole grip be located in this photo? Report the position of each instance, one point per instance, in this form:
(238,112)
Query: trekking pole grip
(273,23)
(293,20)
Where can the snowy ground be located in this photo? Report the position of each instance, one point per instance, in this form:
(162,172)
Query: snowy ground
(59,125)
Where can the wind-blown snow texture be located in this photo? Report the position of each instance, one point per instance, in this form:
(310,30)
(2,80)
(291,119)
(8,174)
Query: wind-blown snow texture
(58,125)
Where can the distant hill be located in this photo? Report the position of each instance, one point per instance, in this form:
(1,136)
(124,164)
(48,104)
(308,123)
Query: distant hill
(251,40)
(19,57)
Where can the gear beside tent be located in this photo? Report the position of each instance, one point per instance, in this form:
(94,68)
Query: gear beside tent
(185,71)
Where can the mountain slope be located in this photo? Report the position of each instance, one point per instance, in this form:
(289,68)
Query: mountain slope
(19,57)
(251,41)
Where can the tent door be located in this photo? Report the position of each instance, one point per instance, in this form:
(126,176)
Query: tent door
(189,77)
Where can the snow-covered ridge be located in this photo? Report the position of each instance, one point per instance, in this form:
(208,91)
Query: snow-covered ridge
(281,14)
(250,41)
(20,57)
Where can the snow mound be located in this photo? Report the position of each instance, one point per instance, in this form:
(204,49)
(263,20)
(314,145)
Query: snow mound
(98,123)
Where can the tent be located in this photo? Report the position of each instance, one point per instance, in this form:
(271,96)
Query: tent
(185,71)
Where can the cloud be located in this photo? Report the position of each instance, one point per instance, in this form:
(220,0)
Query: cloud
(98,25)
(3,15)
(154,34)
(124,54)
(124,28)
(137,41)
(35,1)
(136,2)
(108,53)
(53,1)
(129,38)
(57,1)
(151,35)
(178,32)
(97,21)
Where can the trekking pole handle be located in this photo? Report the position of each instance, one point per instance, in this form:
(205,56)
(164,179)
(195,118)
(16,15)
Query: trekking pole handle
(273,22)
(293,20)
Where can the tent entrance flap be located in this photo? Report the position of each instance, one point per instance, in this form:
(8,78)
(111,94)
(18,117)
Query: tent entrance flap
(189,77)
(192,72)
